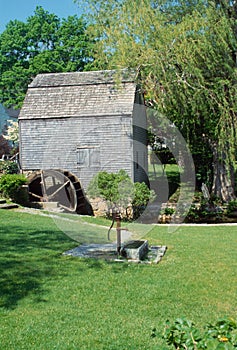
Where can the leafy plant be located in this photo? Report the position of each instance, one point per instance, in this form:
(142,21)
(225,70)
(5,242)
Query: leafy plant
(207,209)
(116,189)
(9,167)
(142,195)
(119,191)
(10,187)
(168,211)
(231,207)
(183,334)
(193,214)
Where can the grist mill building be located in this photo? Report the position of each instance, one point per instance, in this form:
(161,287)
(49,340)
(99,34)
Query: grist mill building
(83,123)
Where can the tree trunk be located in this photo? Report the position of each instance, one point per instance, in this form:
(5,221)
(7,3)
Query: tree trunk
(223,177)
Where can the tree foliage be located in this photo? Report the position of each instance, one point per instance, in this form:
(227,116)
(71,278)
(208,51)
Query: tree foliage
(12,132)
(185,53)
(120,192)
(115,188)
(42,44)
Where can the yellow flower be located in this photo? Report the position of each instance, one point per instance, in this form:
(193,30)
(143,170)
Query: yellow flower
(223,339)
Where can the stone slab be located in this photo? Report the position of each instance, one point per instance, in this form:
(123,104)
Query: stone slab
(94,251)
(109,252)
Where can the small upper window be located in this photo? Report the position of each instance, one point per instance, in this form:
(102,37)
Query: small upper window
(88,156)
(95,156)
(83,157)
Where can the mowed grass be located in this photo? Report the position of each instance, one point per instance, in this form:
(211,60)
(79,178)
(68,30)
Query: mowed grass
(50,301)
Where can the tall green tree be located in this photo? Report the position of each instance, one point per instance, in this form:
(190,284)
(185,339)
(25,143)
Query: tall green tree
(184,52)
(42,44)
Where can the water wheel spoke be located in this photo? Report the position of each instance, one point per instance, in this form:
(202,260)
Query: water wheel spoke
(36,196)
(67,208)
(43,185)
(58,190)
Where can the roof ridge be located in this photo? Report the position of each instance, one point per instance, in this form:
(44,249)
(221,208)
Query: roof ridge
(83,78)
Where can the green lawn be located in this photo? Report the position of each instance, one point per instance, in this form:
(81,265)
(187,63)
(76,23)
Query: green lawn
(49,301)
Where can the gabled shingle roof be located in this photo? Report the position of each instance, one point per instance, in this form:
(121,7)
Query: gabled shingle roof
(82,78)
(94,93)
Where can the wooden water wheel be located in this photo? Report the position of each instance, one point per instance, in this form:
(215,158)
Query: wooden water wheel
(58,186)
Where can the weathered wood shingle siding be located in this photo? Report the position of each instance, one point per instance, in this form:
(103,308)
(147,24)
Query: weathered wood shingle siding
(54,144)
(80,122)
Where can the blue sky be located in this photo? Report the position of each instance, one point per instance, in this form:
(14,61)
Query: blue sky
(21,9)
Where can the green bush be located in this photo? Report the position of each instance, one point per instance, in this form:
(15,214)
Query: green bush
(207,210)
(168,211)
(9,167)
(11,187)
(231,207)
(119,191)
(183,334)
(115,188)
(142,195)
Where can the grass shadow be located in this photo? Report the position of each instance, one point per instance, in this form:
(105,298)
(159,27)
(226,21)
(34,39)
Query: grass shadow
(28,258)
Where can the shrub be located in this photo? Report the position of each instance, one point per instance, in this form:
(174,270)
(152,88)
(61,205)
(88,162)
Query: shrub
(114,188)
(120,192)
(207,210)
(11,187)
(142,195)
(9,167)
(168,211)
(183,334)
(231,207)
